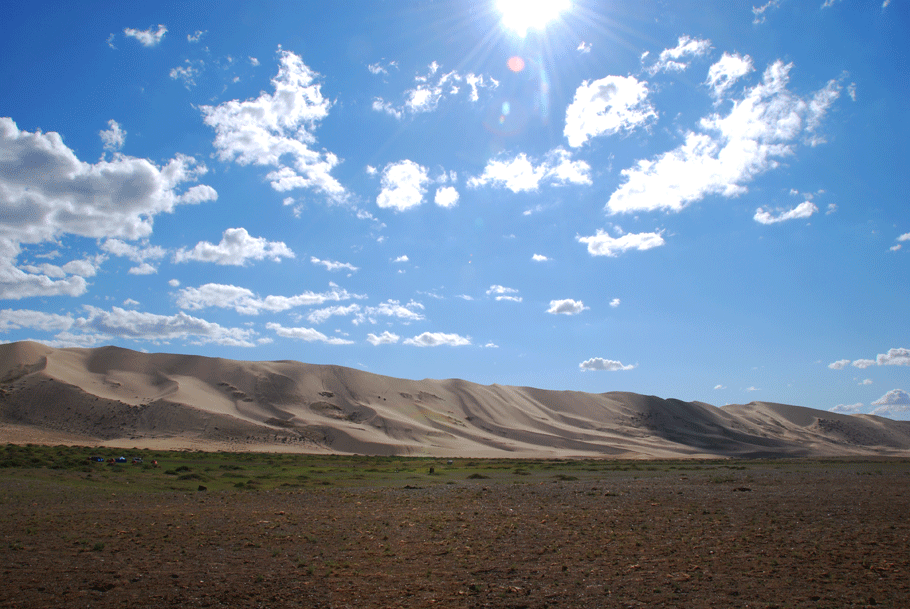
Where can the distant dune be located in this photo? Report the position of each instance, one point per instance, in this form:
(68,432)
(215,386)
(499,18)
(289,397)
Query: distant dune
(117,397)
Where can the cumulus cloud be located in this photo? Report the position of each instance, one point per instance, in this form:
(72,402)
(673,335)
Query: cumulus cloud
(728,69)
(137,325)
(599,363)
(520,174)
(149,38)
(321,315)
(615,302)
(307,334)
(236,248)
(386,338)
(583,47)
(839,364)
(539,258)
(403,185)
(803,210)
(47,192)
(862,364)
(331,265)
(391,308)
(674,60)
(446,196)
(18,319)
(729,151)
(602,244)
(848,408)
(401,258)
(113,137)
(566,307)
(244,301)
(503,293)
(894,357)
(430,89)
(273,127)
(437,339)
(607,106)
(894,403)
(188,72)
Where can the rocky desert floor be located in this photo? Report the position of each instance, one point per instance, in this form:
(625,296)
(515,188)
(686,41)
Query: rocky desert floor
(510,534)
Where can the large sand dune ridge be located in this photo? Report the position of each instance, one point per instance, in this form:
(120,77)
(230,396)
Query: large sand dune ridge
(118,397)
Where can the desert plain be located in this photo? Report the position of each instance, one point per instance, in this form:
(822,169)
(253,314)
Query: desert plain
(281,484)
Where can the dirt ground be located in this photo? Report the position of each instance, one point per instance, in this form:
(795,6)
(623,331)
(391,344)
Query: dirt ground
(771,537)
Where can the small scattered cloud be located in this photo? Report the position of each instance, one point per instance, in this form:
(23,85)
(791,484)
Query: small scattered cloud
(149,38)
(719,386)
(607,106)
(566,307)
(331,265)
(386,338)
(113,137)
(599,363)
(110,41)
(401,259)
(196,36)
(521,174)
(430,89)
(403,186)
(539,258)
(674,60)
(862,364)
(307,334)
(188,72)
(839,364)
(602,244)
(583,48)
(236,248)
(758,13)
(803,210)
(848,408)
(438,339)
(503,293)
(615,302)
(865,382)
(446,196)
(752,389)
(728,69)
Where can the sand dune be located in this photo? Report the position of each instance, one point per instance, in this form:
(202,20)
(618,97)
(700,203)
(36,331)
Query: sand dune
(117,397)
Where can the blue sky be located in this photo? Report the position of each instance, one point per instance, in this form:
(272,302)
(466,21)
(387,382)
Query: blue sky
(704,201)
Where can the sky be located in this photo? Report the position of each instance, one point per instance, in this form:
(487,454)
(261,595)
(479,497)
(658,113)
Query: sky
(696,200)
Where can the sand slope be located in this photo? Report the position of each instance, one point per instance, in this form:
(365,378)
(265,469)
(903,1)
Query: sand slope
(119,397)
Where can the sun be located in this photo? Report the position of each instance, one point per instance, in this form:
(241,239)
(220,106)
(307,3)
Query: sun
(523,15)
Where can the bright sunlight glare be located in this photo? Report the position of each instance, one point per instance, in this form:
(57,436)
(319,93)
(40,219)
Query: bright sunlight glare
(522,15)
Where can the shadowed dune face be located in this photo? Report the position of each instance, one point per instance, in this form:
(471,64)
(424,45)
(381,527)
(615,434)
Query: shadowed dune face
(121,397)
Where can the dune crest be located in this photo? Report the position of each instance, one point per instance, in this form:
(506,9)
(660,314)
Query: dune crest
(120,397)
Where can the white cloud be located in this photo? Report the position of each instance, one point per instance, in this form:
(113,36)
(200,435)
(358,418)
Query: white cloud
(331,265)
(894,357)
(904,237)
(862,364)
(246,302)
(386,338)
(598,363)
(504,293)
(187,73)
(752,389)
(320,315)
(391,308)
(437,339)
(583,47)
(566,307)
(832,208)
(272,127)
(236,248)
(196,36)
(149,37)
(895,402)
(539,258)
(605,107)
(728,69)
(847,408)
(403,185)
(174,283)
(519,174)
(672,60)
(731,151)
(803,210)
(719,386)
(615,302)
(401,259)
(829,3)
(143,269)
(306,334)
(759,12)
(839,364)
(602,244)
(17,319)
(430,89)
(446,196)
(136,325)
(865,382)
(110,41)
(113,137)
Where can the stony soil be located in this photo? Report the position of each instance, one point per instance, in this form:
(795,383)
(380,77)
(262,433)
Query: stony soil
(772,537)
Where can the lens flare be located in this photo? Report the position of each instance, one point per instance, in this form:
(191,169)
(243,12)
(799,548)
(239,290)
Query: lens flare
(516,64)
